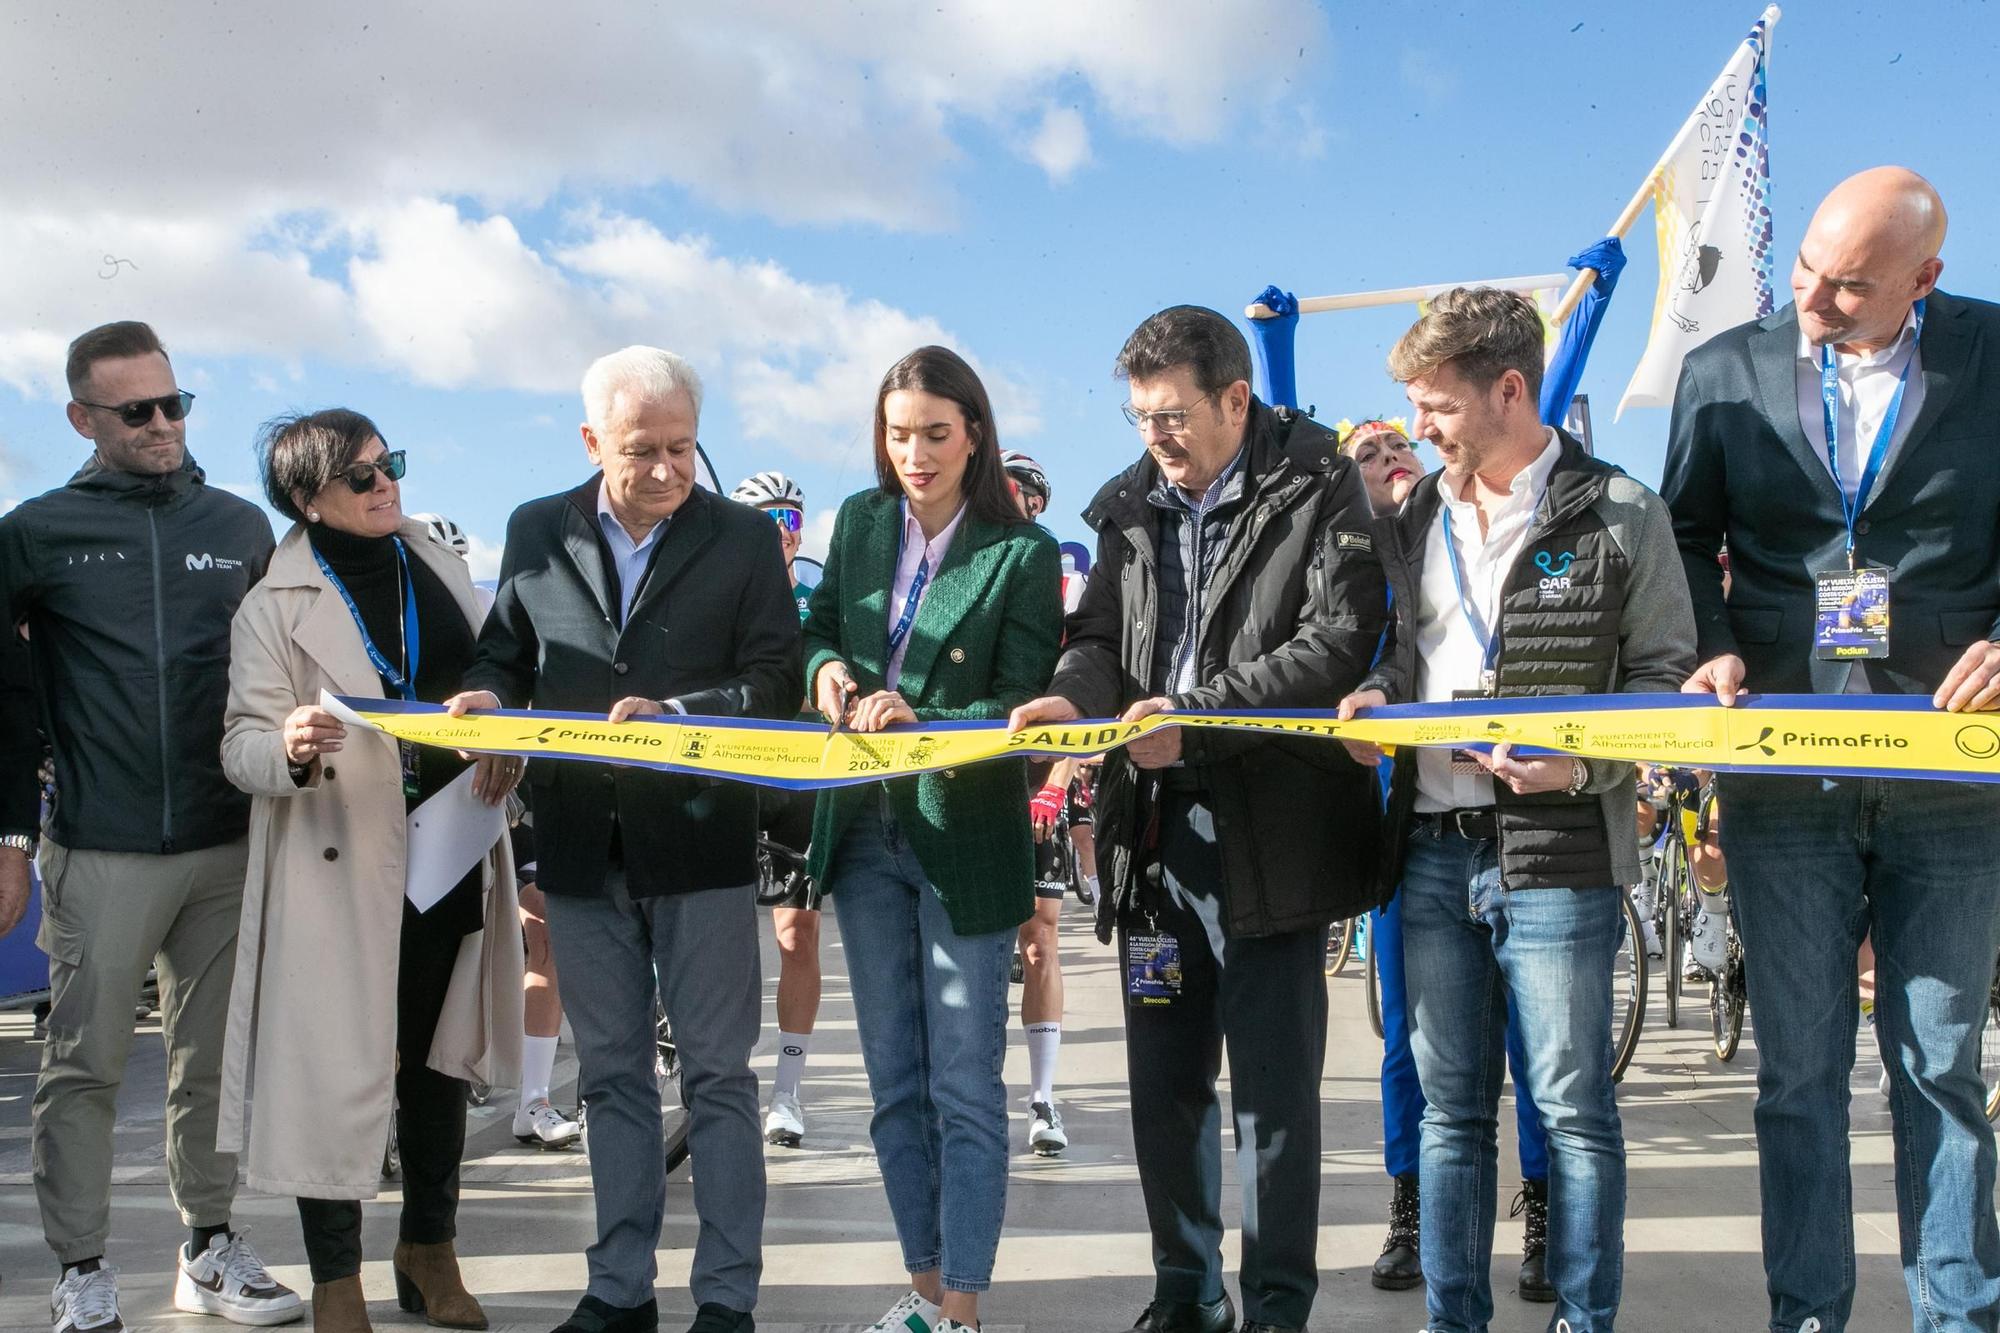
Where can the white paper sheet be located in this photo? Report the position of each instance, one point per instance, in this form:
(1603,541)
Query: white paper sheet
(449,834)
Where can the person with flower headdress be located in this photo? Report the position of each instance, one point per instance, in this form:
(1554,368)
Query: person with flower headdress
(1387,459)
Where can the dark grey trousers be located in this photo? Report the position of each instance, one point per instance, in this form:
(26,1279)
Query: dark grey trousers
(704,947)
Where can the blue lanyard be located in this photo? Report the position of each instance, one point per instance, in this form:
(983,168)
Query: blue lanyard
(902,627)
(1829,397)
(1489,642)
(403,684)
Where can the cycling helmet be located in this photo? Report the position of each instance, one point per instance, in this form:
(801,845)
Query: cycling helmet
(446,531)
(1026,471)
(769,488)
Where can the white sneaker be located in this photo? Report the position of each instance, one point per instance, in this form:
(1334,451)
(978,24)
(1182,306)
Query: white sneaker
(86,1302)
(1882,1083)
(785,1122)
(1650,934)
(912,1314)
(953,1326)
(542,1126)
(1045,1130)
(229,1279)
(1708,944)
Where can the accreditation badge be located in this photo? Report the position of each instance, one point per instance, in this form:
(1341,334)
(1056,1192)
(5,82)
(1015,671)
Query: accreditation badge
(412,756)
(1152,969)
(1851,613)
(1463,762)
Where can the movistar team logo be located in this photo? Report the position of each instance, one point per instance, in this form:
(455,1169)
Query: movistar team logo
(208,560)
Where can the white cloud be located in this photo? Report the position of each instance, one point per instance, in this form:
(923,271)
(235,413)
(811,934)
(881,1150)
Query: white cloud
(824,112)
(483,556)
(817,535)
(345,187)
(454,301)
(1061,144)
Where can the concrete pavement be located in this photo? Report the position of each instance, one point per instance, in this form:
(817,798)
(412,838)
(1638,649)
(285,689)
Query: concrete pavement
(1075,1257)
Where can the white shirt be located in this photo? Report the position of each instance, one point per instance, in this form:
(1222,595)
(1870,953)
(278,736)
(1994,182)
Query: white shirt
(1449,655)
(627,555)
(1867,383)
(915,551)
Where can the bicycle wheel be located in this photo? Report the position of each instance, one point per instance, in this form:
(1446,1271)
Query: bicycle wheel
(1628,989)
(1673,939)
(1728,998)
(1989,1048)
(1374,982)
(1339,946)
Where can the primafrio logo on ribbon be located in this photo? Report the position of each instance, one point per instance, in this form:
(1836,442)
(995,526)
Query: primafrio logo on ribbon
(1824,735)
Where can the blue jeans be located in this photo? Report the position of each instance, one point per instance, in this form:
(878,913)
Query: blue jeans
(1816,865)
(1403,1095)
(932,1008)
(1468,945)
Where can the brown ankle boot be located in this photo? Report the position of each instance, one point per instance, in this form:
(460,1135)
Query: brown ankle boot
(339,1307)
(427,1283)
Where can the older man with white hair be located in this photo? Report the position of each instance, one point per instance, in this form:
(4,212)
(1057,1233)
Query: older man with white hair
(638,592)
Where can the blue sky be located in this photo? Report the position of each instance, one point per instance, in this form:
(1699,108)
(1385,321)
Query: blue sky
(438,213)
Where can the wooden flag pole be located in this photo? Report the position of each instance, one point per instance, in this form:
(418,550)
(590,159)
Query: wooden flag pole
(1405,295)
(1618,229)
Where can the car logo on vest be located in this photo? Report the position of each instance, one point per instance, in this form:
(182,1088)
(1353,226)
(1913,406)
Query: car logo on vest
(1555,574)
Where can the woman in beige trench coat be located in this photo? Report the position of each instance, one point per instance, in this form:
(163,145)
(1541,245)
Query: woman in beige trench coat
(347,1001)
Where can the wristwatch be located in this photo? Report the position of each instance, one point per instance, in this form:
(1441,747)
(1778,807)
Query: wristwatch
(1579,777)
(24,843)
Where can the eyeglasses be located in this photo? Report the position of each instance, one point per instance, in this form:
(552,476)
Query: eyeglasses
(135,414)
(360,477)
(791,520)
(1171,421)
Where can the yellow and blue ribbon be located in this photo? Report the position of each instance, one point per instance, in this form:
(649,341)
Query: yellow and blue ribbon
(1824,735)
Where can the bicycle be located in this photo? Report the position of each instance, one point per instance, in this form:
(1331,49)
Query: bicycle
(1340,942)
(1674,900)
(1729,999)
(1372,982)
(1989,1047)
(1628,989)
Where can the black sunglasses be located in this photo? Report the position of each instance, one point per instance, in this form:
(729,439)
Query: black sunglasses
(360,477)
(135,414)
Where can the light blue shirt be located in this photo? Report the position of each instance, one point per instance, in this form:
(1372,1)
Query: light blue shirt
(628,556)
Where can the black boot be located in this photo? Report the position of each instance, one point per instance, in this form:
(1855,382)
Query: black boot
(1400,1268)
(1534,1282)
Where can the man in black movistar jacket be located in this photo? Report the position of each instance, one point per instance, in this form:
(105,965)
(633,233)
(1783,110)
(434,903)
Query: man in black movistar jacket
(126,580)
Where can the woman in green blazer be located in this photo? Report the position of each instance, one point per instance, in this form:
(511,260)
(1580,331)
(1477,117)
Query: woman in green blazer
(939,603)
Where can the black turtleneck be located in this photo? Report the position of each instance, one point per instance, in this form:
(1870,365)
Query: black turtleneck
(368,568)
(373,577)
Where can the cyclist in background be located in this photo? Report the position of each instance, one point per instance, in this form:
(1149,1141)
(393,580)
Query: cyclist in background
(1040,955)
(787,821)
(537,1123)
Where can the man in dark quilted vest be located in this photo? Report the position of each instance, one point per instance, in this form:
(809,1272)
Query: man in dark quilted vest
(1522,567)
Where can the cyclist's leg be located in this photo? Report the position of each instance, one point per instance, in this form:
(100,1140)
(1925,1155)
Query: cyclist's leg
(1042,994)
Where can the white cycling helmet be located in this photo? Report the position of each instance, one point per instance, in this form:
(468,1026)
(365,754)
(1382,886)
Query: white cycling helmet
(769,488)
(446,531)
(1027,471)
